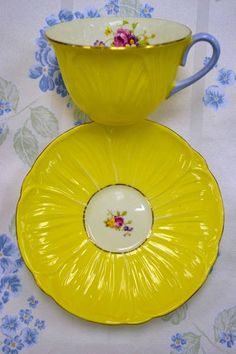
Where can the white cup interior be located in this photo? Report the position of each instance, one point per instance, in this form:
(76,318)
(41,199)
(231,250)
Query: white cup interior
(85,32)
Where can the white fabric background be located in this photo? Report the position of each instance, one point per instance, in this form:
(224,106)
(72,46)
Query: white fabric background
(212,133)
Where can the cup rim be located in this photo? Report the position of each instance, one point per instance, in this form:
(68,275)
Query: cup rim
(110,18)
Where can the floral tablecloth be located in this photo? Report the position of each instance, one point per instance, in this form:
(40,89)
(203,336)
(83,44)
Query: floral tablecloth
(35,108)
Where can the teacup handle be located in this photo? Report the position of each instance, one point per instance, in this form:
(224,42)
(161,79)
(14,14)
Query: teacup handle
(205,37)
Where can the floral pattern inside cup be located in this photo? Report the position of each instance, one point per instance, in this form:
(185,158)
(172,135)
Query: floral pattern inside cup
(124,37)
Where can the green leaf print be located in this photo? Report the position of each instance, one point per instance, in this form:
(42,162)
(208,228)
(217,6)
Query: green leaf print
(81,116)
(4,130)
(225,321)
(12,226)
(177,316)
(26,145)
(129,8)
(44,122)
(9,93)
(193,343)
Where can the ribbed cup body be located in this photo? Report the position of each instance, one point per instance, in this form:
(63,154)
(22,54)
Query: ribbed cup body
(119,87)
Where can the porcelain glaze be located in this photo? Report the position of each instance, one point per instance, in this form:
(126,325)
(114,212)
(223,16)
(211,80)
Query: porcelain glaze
(118,218)
(160,274)
(123,85)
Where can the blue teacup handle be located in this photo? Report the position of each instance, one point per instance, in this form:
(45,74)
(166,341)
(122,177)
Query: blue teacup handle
(198,37)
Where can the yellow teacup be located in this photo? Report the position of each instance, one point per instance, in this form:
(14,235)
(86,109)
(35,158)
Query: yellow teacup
(118,71)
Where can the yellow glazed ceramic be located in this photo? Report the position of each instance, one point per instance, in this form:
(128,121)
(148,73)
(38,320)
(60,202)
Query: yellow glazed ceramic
(124,84)
(81,210)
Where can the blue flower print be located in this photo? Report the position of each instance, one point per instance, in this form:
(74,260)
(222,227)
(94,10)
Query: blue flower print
(20,331)
(5,297)
(46,75)
(10,283)
(12,345)
(178,342)
(19,262)
(32,302)
(25,316)
(5,107)
(214,97)
(10,325)
(9,255)
(42,43)
(93,13)
(10,262)
(45,69)
(69,104)
(42,33)
(65,15)
(146,10)
(61,89)
(206,61)
(226,77)
(78,14)
(112,7)
(78,122)
(39,324)
(228,339)
(52,20)
(29,336)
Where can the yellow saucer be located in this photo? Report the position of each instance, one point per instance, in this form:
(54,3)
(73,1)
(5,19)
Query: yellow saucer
(150,278)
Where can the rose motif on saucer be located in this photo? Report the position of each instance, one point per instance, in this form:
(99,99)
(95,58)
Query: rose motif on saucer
(79,254)
(116,221)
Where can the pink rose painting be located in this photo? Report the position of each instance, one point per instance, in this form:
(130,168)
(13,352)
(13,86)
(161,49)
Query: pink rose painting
(117,222)
(124,37)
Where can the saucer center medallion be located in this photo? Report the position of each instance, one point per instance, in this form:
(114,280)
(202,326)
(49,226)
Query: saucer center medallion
(118,218)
